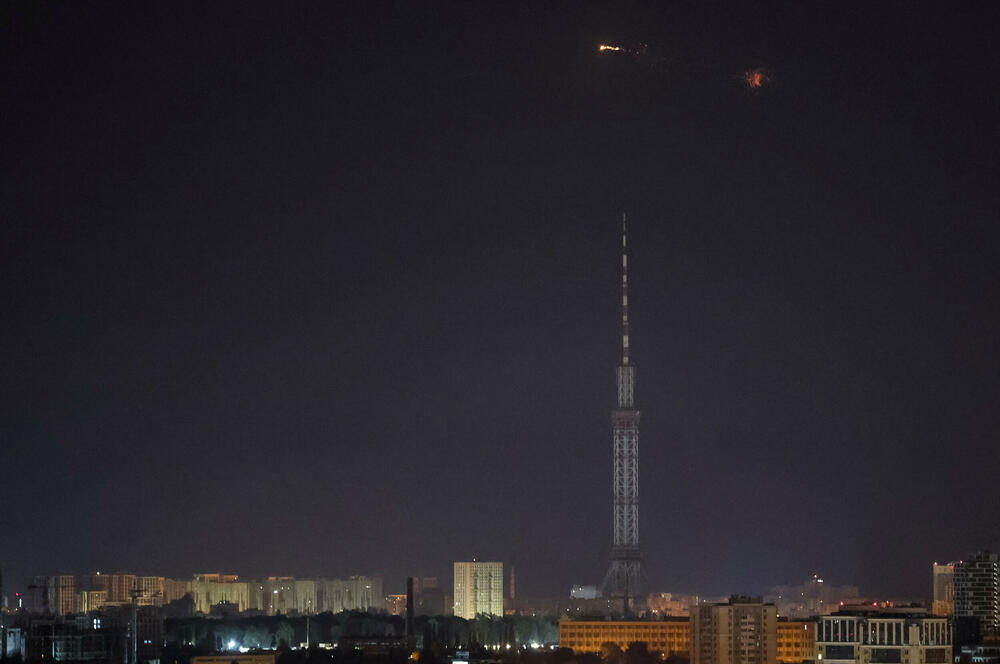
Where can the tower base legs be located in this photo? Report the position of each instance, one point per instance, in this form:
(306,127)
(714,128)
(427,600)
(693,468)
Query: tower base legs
(623,582)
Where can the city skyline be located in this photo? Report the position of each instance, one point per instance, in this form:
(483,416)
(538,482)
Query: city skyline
(334,289)
(814,596)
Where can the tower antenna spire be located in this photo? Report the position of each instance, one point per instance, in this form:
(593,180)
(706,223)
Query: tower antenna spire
(624,292)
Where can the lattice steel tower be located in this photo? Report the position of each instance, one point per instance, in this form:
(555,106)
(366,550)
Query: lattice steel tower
(625,572)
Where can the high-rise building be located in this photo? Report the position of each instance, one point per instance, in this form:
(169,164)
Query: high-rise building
(36,597)
(625,571)
(305,596)
(119,587)
(97,581)
(277,595)
(429,598)
(422,583)
(740,631)
(216,577)
(863,634)
(977,591)
(174,589)
(355,593)
(210,590)
(150,590)
(944,589)
(63,594)
(478,589)
(91,600)
(51,595)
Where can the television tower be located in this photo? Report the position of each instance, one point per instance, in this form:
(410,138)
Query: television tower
(624,573)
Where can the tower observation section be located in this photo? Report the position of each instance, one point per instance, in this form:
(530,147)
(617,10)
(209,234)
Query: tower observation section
(625,571)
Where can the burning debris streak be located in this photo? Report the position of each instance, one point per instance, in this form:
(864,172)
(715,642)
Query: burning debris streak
(637,50)
(755,78)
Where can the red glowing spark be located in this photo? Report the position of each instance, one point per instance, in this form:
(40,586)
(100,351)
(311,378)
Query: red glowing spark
(755,78)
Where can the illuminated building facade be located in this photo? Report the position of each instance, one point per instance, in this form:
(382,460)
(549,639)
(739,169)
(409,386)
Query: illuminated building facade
(625,571)
(174,589)
(209,590)
(478,589)
(395,604)
(62,594)
(276,595)
(150,590)
(663,637)
(241,658)
(671,605)
(796,641)
(355,593)
(305,596)
(865,634)
(977,592)
(740,631)
(584,592)
(119,587)
(62,591)
(51,595)
(91,600)
(944,590)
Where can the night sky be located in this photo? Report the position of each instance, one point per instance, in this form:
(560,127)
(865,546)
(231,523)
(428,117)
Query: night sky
(333,289)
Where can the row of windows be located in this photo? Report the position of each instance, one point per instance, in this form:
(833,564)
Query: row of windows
(679,626)
(595,645)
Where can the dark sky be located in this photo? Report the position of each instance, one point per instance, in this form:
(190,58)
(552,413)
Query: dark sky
(332,289)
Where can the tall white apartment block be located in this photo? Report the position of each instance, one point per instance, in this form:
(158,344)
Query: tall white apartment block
(478,589)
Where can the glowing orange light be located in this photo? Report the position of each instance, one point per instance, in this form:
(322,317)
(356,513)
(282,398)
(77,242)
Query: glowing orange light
(608,47)
(755,78)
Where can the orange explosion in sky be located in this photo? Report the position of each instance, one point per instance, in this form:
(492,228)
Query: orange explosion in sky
(755,78)
(609,47)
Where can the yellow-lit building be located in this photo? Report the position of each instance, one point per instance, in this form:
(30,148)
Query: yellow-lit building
(217,578)
(796,641)
(91,600)
(150,590)
(119,587)
(664,637)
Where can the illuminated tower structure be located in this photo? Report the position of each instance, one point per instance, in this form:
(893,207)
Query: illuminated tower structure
(625,572)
